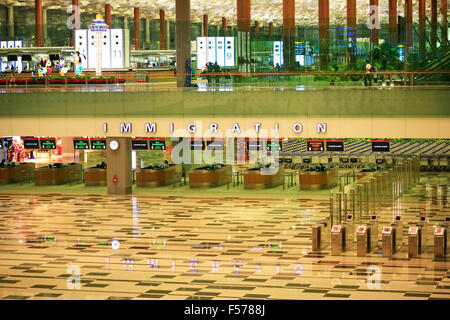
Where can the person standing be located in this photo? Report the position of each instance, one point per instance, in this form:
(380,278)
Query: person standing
(368,75)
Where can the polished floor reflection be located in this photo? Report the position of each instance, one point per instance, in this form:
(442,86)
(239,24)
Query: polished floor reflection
(59,246)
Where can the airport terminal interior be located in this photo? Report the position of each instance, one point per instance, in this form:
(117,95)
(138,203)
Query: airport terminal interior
(224,150)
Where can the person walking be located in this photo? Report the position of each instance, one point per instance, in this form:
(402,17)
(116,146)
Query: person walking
(368,75)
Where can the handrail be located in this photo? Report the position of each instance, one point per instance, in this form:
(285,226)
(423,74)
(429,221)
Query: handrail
(133,73)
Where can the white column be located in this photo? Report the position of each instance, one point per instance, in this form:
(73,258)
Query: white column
(147,31)
(11,22)
(44,25)
(202,29)
(167,35)
(125,22)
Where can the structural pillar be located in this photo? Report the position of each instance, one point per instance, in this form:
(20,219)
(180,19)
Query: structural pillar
(324,32)
(137,29)
(374,31)
(289,34)
(224,26)
(108,14)
(167,31)
(409,22)
(393,28)
(217,30)
(38,23)
(270,31)
(76,15)
(444,24)
(118,171)
(125,22)
(205,25)
(67,150)
(433,22)
(243,38)
(44,25)
(243,15)
(351,31)
(147,31)
(422,28)
(162,29)
(183,38)
(256,26)
(11,21)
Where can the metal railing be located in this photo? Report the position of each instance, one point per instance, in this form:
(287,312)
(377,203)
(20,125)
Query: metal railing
(166,80)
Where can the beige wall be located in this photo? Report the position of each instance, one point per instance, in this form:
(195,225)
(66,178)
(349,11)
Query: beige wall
(336,127)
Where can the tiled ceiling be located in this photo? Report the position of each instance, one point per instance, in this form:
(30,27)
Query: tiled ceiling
(263,11)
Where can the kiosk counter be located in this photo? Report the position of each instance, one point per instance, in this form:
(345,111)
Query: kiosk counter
(156,176)
(210,176)
(58,174)
(256,179)
(95,177)
(317,180)
(17,173)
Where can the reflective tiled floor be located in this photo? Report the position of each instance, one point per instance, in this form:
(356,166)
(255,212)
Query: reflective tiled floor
(187,247)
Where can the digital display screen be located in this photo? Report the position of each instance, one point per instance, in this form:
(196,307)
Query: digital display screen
(54,57)
(380,161)
(422,218)
(280,160)
(31,144)
(397,218)
(374,217)
(254,145)
(7,142)
(306,160)
(380,146)
(139,144)
(81,144)
(333,145)
(26,57)
(344,160)
(288,160)
(197,144)
(12,58)
(48,144)
(315,145)
(98,144)
(353,160)
(157,144)
(274,145)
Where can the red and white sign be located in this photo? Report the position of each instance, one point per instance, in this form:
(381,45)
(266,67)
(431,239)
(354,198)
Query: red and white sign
(336,229)
(439,231)
(387,230)
(361,229)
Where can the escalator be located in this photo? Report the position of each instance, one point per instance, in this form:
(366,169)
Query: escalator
(435,60)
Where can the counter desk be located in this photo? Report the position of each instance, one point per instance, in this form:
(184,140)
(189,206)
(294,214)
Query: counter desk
(255,179)
(67,173)
(318,180)
(156,177)
(94,177)
(23,172)
(209,176)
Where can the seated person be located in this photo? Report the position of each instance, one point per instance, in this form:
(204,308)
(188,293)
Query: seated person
(3,163)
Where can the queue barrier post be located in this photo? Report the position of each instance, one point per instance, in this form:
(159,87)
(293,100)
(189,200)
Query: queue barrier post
(339,206)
